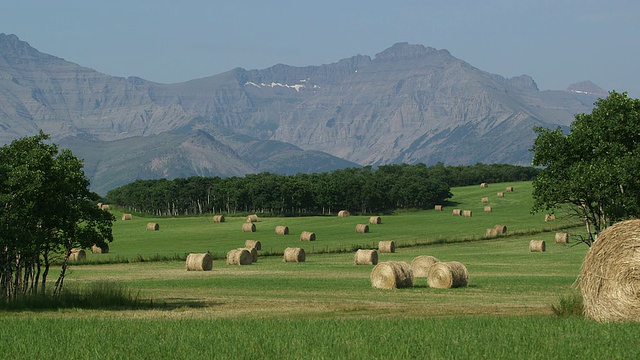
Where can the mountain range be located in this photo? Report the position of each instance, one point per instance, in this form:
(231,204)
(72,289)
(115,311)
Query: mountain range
(407,104)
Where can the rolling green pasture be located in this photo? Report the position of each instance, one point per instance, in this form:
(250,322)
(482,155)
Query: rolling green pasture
(325,308)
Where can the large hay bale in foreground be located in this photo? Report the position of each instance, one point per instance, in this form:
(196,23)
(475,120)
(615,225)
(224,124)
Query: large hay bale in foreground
(375,220)
(386,247)
(253,243)
(252,218)
(366,257)
(282,230)
(199,262)
(239,257)
(344,213)
(437,208)
(562,238)
(294,255)
(502,229)
(126,217)
(488,209)
(254,253)
(456,212)
(153,226)
(307,236)
(610,275)
(445,275)
(104,249)
(537,246)
(392,275)
(248,227)
(218,218)
(77,254)
(466,213)
(362,228)
(421,264)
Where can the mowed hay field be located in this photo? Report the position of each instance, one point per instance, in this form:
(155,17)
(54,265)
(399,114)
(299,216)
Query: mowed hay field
(325,307)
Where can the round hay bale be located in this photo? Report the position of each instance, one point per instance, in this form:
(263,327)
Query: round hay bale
(502,229)
(344,213)
(485,199)
(456,212)
(254,253)
(484,185)
(99,205)
(446,275)
(610,274)
(253,244)
(252,218)
(248,227)
(562,238)
(491,233)
(307,236)
(153,226)
(366,257)
(509,189)
(488,209)
(77,255)
(104,249)
(239,257)
(282,230)
(392,275)
(537,246)
(500,194)
(421,264)
(437,208)
(199,262)
(294,255)
(466,213)
(362,228)
(218,218)
(127,217)
(375,220)
(104,207)
(550,217)
(387,247)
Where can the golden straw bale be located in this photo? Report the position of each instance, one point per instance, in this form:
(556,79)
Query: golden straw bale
(366,257)
(239,257)
(294,255)
(485,199)
(282,230)
(491,233)
(199,262)
(307,236)
(537,246)
(387,247)
(421,264)
(484,185)
(438,208)
(153,226)
(375,220)
(509,189)
(362,228)
(252,218)
(218,218)
(446,275)
(466,213)
(105,207)
(562,238)
(488,209)
(100,249)
(550,217)
(126,217)
(253,243)
(610,274)
(99,205)
(248,227)
(456,212)
(77,254)
(502,229)
(392,275)
(344,213)
(500,194)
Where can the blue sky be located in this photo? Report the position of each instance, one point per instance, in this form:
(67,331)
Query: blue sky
(556,42)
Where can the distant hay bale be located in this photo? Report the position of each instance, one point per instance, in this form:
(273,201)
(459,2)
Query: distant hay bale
(99,205)
(366,257)
(387,247)
(248,227)
(562,238)
(199,262)
(254,253)
(491,233)
(252,218)
(484,185)
(153,226)
(446,275)
(294,255)
(362,228)
(502,229)
(537,246)
(218,218)
(100,249)
(550,217)
(307,236)
(375,220)
(239,257)
(282,230)
(488,209)
(392,275)
(466,213)
(485,199)
(343,213)
(437,208)
(509,189)
(421,264)
(127,217)
(77,255)
(456,212)
(253,243)
(500,194)
(610,274)
(105,207)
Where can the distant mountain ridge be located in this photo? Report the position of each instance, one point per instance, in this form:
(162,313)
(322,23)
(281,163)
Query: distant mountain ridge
(409,103)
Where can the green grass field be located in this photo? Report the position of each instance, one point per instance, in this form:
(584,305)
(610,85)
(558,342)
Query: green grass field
(325,308)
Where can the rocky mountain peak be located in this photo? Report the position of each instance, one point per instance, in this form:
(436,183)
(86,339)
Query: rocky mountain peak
(405,50)
(587,87)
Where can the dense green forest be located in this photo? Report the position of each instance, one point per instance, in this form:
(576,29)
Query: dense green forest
(360,190)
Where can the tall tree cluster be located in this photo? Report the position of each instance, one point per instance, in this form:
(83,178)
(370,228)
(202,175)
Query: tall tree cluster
(46,209)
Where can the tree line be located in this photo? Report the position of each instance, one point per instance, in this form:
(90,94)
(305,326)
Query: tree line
(360,190)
